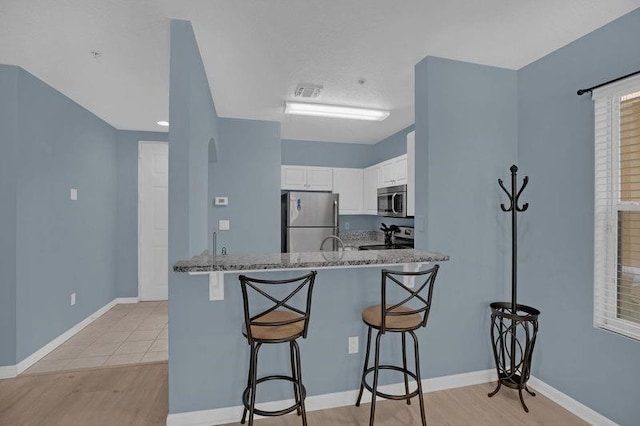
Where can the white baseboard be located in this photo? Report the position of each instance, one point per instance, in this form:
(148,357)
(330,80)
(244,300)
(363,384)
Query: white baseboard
(7,372)
(585,413)
(125,300)
(332,400)
(10,371)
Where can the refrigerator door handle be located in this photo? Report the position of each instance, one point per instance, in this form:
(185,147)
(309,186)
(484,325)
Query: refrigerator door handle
(335,212)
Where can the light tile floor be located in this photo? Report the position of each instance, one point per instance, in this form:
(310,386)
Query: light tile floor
(126,334)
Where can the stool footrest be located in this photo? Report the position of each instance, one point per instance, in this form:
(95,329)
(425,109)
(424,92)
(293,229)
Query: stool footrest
(247,393)
(386,395)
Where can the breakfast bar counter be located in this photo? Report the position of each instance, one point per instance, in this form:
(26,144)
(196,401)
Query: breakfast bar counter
(307,260)
(208,355)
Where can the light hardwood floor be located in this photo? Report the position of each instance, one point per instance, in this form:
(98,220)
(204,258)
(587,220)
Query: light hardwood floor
(130,395)
(137,395)
(461,406)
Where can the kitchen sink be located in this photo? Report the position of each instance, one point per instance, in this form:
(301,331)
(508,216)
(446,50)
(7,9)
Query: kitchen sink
(385,247)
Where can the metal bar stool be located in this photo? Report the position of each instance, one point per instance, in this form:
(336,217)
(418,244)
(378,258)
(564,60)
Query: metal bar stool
(281,322)
(398,318)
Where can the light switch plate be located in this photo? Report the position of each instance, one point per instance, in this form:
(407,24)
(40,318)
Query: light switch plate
(221,201)
(223,225)
(216,286)
(353,345)
(73,194)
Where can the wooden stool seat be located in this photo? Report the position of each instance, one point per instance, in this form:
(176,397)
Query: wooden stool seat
(372,316)
(293,326)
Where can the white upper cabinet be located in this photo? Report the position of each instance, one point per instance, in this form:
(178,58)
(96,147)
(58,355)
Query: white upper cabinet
(306,178)
(348,183)
(372,175)
(400,170)
(394,171)
(319,178)
(358,188)
(293,177)
(411,174)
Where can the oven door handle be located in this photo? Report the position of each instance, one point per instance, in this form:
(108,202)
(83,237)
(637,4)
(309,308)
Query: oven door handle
(393,203)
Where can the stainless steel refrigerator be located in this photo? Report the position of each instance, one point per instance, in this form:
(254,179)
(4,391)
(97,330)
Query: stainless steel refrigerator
(307,219)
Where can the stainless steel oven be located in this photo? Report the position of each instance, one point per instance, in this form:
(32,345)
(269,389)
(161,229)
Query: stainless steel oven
(392,201)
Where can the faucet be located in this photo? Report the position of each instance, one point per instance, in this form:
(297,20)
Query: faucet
(332,237)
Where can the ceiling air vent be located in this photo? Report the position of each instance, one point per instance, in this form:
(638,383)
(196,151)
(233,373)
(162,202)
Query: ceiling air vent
(307,91)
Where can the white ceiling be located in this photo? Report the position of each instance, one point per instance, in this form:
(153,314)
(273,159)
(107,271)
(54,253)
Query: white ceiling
(257,51)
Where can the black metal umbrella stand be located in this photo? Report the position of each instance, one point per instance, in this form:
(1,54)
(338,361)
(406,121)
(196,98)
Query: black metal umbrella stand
(514,327)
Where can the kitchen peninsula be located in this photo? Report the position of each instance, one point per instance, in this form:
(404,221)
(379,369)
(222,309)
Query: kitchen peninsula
(216,266)
(307,260)
(208,334)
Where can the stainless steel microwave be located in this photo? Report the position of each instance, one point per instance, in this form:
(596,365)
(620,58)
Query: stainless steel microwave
(392,201)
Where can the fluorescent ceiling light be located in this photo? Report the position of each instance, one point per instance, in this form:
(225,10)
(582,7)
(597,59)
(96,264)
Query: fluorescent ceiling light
(163,123)
(335,111)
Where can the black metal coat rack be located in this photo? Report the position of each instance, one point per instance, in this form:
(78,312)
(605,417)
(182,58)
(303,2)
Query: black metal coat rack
(514,208)
(514,327)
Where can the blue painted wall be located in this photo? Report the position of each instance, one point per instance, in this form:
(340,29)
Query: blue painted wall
(8,211)
(330,154)
(390,147)
(466,130)
(193,124)
(555,148)
(62,246)
(248,172)
(357,222)
(127,252)
(60,145)
(326,154)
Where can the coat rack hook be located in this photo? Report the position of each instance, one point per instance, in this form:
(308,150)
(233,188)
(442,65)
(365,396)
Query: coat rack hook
(504,209)
(525,181)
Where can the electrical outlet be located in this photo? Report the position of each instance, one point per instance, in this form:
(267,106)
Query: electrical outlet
(73,299)
(346,226)
(353,345)
(73,194)
(223,225)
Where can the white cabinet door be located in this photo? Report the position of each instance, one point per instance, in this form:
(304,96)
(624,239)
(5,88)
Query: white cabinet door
(400,170)
(293,177)
(411,174)
(388,173)
(348,183)
(319,179)
(380,176)
(370,189)
(303,178)
(394,171)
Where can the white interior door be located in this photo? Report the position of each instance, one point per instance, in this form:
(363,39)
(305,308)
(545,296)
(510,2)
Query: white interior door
(153,220)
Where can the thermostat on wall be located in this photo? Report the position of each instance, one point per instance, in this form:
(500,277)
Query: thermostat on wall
(221,201)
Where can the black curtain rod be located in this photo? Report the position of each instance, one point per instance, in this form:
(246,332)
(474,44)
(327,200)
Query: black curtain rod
(590,89)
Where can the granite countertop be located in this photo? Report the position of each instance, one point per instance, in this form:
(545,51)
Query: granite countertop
(355,239)
(323,259)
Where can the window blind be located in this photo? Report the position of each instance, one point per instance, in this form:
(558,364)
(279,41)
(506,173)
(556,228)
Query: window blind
(617,208)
